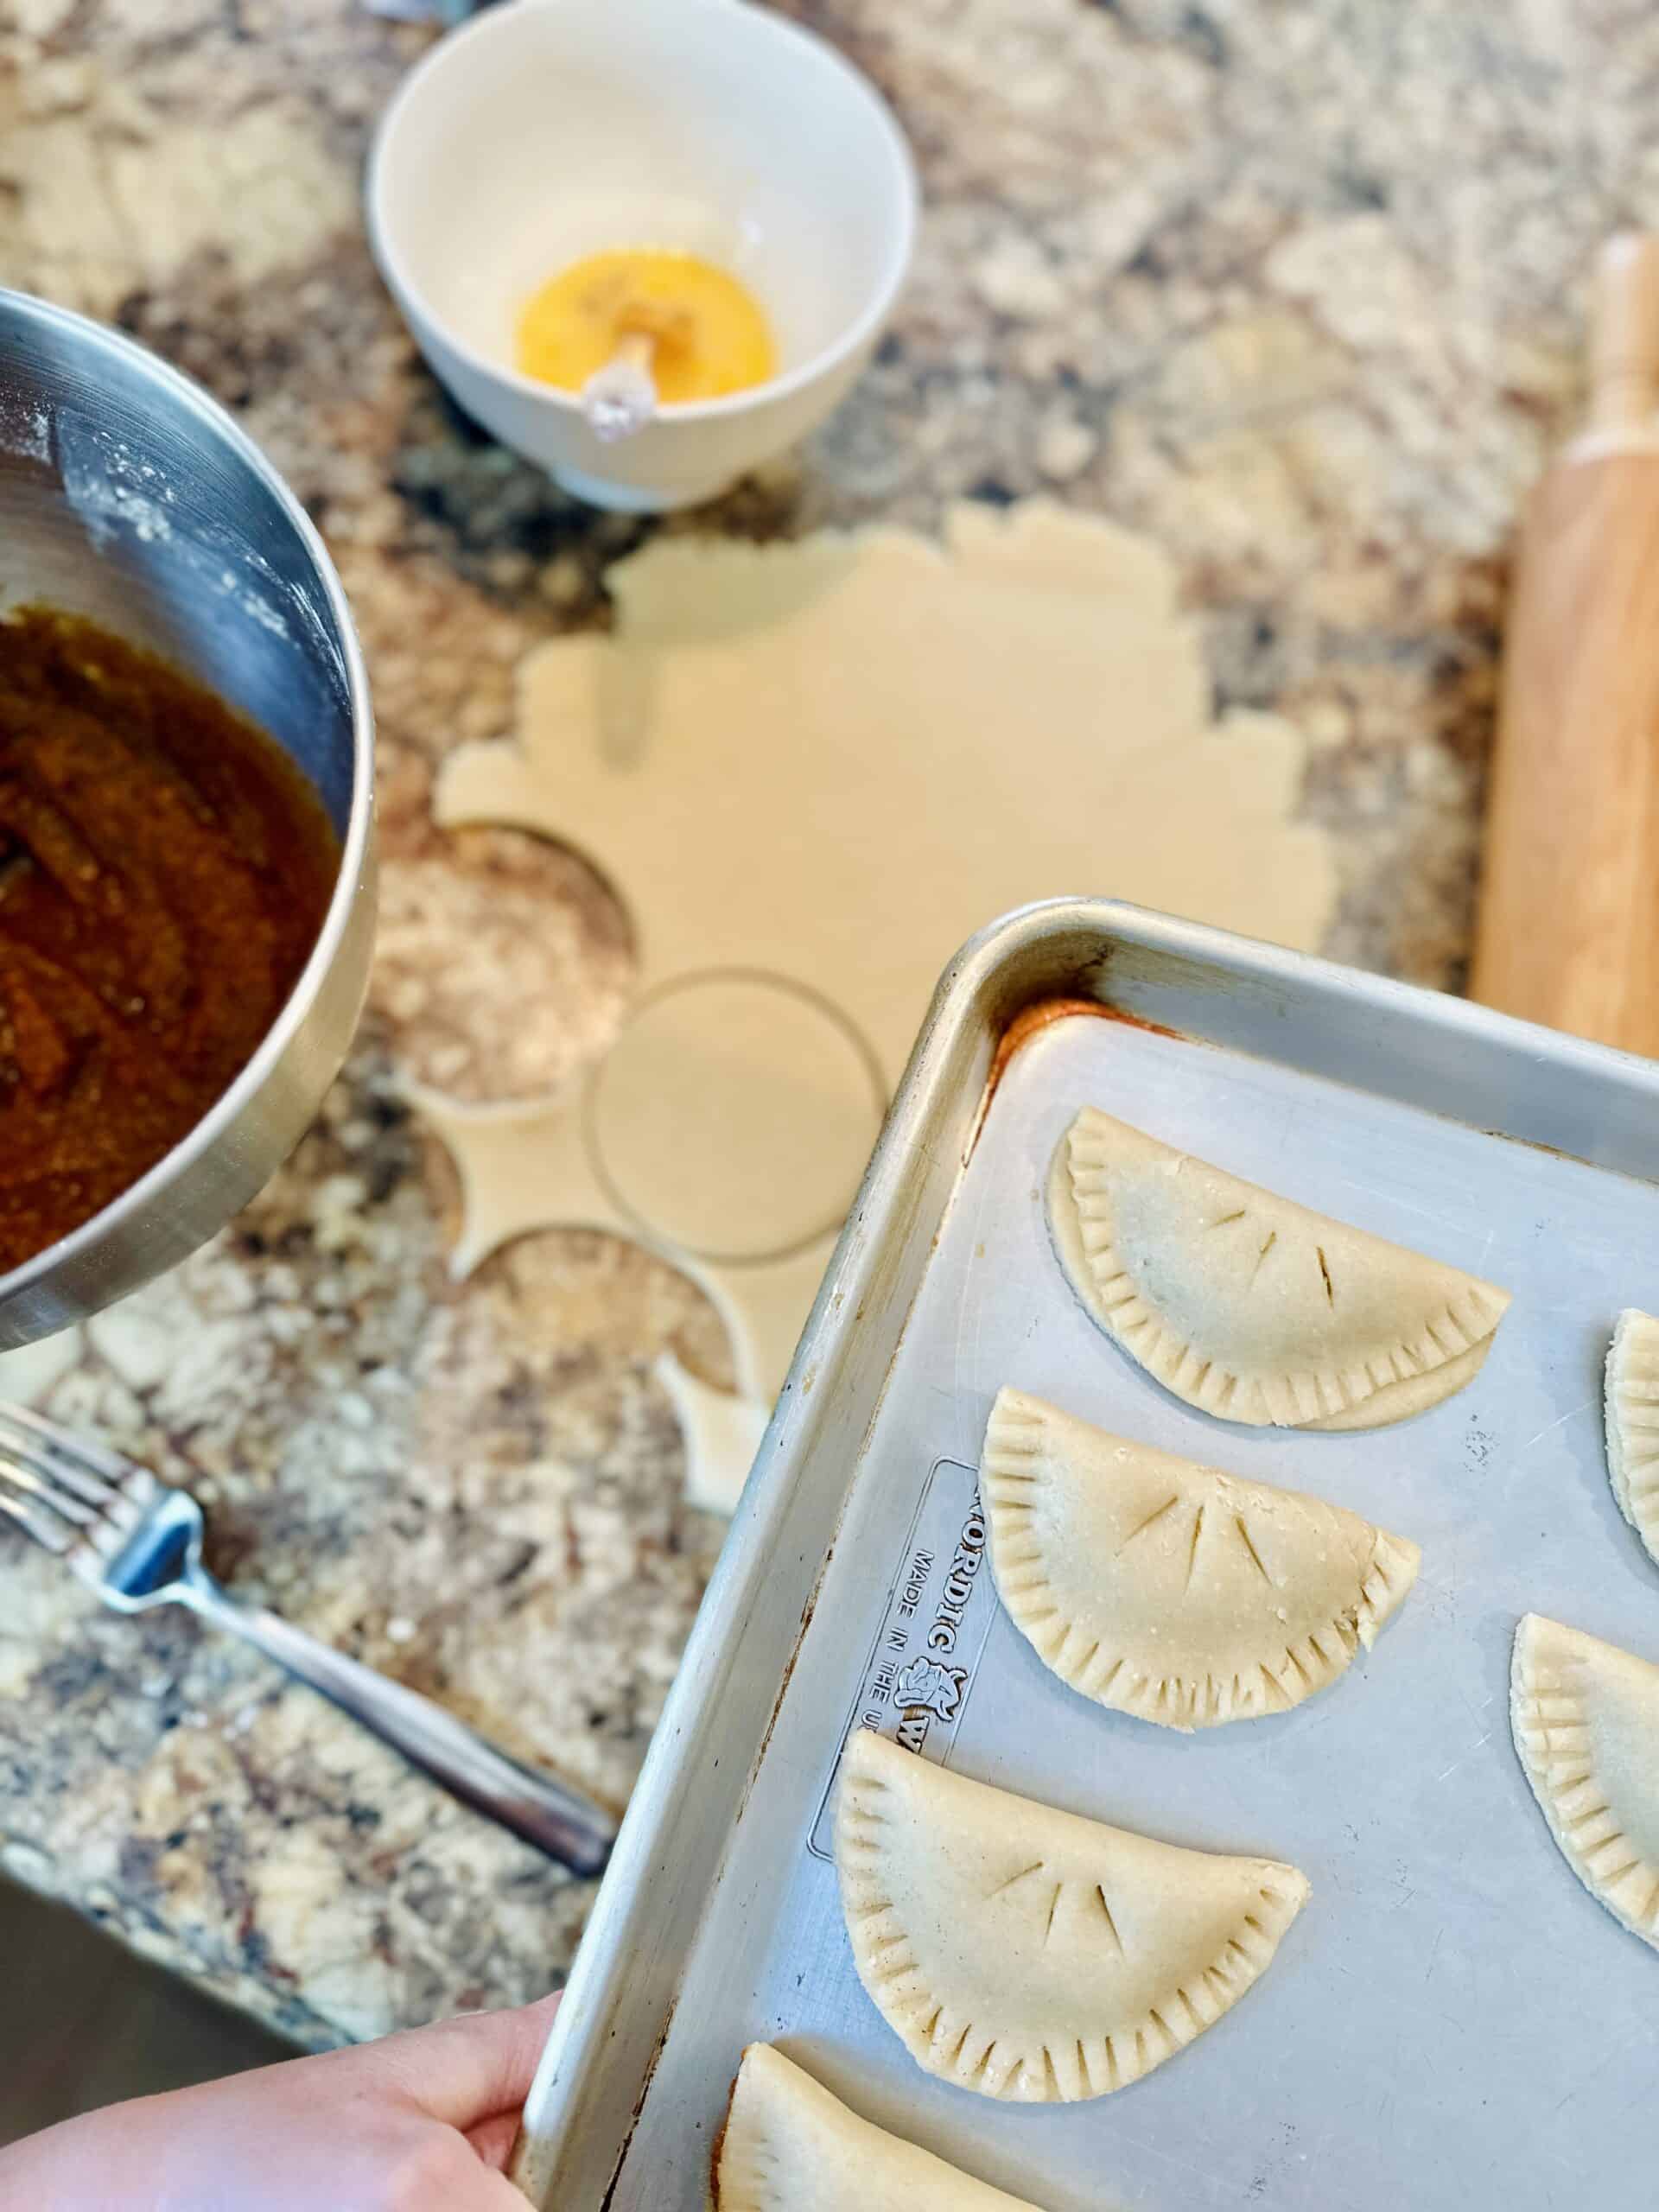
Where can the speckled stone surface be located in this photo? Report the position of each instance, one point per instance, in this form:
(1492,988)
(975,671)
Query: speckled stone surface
(1297,287)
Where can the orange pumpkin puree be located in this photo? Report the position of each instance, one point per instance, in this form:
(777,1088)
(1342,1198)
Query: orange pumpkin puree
(164,871)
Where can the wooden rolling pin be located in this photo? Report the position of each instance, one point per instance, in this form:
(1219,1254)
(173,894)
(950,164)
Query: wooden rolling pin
(1568,925)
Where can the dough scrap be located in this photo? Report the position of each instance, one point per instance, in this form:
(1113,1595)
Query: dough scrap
(1026,1952)
(1632,1409)
(796,755)
(790,2146)
(715,758)
(1170,1590)
(1585,1716)
(1249,1305)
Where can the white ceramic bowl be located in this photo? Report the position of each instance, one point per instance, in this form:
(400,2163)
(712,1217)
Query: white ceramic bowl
(547,130)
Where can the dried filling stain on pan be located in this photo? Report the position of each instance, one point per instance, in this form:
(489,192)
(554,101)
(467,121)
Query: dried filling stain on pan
(164,871)
(1033,1020)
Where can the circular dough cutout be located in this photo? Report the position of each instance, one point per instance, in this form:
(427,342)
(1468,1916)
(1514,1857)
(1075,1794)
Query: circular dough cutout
(734,1114)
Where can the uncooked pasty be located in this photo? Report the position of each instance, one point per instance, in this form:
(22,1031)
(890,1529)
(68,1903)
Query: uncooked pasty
(790,2146)
(1249,1305)
(1170,1590)
(1585,1720)
(1026,1952)
(1633,1422)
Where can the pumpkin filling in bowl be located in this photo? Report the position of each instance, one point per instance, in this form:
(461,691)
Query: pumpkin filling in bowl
(164,872)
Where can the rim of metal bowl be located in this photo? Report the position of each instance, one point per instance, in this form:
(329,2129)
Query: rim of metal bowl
(185,392)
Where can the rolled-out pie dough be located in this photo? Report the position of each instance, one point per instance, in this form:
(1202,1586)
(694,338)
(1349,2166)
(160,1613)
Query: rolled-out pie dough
(831,762)
(788,1099)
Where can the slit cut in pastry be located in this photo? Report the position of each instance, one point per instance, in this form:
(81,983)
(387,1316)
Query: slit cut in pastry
(790,2146)
(1247,1305)
(1632,1407)
(1026,1952)
(1171,1590)
(1585,1717)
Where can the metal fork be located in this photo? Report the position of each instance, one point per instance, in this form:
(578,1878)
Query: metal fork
(137,1542)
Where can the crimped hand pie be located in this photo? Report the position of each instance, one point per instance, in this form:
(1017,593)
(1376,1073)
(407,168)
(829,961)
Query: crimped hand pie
(1586,1719)
(1632,1415)
(1249,1305)
(1171,1590)
(1028,1953)
(790,2146)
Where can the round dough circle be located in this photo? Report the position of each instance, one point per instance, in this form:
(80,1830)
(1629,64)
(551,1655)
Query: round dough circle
(734,1114)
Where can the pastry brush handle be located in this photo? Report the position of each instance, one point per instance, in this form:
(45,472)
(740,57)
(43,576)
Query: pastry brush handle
(1568,926)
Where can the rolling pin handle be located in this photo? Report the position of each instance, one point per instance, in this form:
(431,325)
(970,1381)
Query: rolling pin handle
(1624,335)
(1567,931)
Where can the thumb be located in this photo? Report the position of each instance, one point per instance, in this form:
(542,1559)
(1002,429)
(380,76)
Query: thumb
(468,2069)
(493,2139)
(489,2192)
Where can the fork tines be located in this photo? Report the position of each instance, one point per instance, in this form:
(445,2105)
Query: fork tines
(59,1487)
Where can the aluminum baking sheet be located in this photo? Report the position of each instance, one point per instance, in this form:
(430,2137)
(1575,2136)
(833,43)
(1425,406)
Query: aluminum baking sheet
(1451,2020)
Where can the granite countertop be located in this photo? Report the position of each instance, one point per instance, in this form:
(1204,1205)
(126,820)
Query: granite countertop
(1298,288)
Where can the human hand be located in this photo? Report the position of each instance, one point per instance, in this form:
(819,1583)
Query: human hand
(420,2122)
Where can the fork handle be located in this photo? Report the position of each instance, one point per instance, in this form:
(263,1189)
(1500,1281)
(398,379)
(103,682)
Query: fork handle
(559,1820)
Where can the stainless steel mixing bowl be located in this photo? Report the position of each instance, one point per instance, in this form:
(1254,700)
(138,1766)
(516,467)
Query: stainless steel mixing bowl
(128,495)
